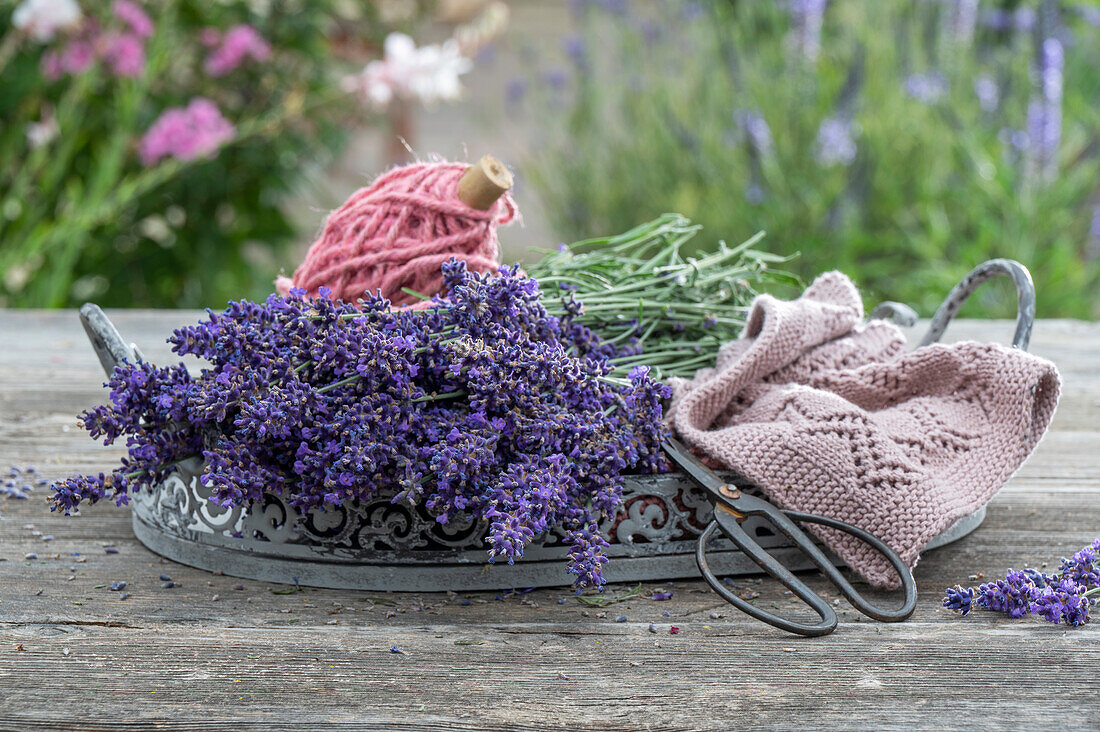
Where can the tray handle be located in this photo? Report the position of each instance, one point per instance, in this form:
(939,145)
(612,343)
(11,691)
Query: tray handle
(1025,299)
(105,338)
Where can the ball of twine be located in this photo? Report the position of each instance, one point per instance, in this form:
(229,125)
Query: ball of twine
(397,232)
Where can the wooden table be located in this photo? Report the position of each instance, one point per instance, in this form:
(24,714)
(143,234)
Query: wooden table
(216,652)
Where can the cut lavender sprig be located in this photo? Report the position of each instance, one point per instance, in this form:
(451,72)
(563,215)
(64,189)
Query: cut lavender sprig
(1062,598)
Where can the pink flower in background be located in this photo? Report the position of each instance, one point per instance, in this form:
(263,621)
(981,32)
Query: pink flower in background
(75,57)
(210,37)
(186,133)
(136,19)
(124,54)
(42,19)
(240,43)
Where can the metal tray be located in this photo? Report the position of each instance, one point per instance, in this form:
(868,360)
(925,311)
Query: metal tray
(382,546)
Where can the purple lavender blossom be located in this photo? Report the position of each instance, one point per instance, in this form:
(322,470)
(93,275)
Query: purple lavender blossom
(1083,568)
(186,133)
(989,96)
(1063,602)
(239,44)
(754,128)
(576,50)
(1089,14)
(692,10)
(1044,113)
(959,599)
(556,78)
(961,19)
(807,19)
(998,19)
(515,90)
(835,143)
(927,88)
(1013,595)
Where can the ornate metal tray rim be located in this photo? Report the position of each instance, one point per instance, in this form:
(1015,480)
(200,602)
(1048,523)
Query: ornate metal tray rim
(385,547)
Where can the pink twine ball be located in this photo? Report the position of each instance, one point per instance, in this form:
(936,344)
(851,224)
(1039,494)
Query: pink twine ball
(397,233)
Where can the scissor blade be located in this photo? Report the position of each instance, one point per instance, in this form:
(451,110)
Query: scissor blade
(693,466)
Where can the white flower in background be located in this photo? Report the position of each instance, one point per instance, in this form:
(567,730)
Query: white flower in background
(41,19)
(429,74)
(42,132)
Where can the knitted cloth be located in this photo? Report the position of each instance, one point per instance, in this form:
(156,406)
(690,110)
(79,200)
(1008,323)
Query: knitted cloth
(831,416)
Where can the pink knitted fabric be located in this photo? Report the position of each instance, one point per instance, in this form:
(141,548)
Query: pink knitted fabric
(397,232)
(831,416)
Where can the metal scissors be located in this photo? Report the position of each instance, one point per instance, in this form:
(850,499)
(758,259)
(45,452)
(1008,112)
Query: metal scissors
(732,506)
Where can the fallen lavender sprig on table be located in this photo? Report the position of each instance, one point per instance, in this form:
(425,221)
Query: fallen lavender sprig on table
(1061,598)
(482,406)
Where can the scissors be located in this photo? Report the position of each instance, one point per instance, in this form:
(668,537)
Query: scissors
(732,506)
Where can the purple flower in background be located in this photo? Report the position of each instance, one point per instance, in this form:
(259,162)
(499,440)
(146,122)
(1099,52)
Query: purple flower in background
(186,133)
(927,88)
(989,96)
(835,142)
(692,10)
(239,44)
(754,128)
(651,32)
(1089,14)
(1044,113)
(1093,248)
(556,78)
(124,54)
(754,194)
(575,49)
(961,19)
(134,17)
(515,90)
(807,18)
(1022,19)
(612,7)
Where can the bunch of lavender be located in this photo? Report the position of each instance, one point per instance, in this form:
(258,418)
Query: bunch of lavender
(1061,598)
(482,406)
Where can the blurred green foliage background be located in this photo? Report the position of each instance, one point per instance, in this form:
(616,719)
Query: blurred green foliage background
(900,141)
(82,218)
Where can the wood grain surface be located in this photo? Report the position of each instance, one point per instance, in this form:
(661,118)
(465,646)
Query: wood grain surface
(218,653)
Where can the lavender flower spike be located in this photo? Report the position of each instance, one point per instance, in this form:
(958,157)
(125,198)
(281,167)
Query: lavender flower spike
(835,143)
(807,18)
(1044,114)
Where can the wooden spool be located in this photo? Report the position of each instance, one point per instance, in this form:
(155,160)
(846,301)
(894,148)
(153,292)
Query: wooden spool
(483,183)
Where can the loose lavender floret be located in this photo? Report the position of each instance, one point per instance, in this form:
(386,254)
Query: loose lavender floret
(1062,598)
(959,598)
(482,406)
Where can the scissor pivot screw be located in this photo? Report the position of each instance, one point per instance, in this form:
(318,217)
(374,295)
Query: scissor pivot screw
(729,491)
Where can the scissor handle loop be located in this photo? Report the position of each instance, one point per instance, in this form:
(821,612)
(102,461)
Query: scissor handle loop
(772,566)
(785,522)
